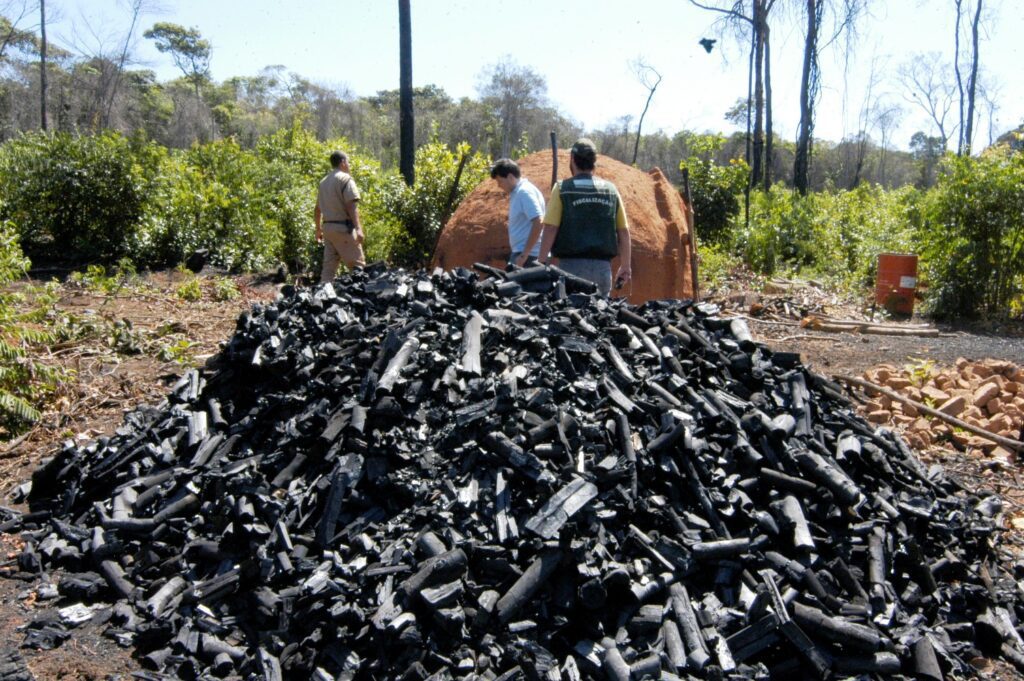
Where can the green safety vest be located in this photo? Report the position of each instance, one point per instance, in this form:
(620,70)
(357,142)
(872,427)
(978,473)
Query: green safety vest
(589,206)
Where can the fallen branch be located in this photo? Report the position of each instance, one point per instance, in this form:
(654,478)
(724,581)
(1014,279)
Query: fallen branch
(1009,443)
(865,327)
(808,336)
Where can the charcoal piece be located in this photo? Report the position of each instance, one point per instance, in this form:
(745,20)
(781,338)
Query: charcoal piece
(674,648)
(723,548)
(523,462)
(667,439)
(561,507)
(115,576)
(755,638)
(471,344)
(846,634)
(346,473)
(819,659)
(45,634)
(13,668)
(877,663)
(505,522)
(798,486)
(397,364)
(436,570)
(524,589)
(615,668)
(270,666)
(442,596)
(646,667)
(430,544)
(791,517)
(925,661)
(622,371)
(625,439)
(698,656)
(618,397)
(830,477)
(165,594)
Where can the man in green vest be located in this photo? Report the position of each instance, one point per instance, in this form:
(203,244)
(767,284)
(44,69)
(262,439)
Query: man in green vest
(585,224)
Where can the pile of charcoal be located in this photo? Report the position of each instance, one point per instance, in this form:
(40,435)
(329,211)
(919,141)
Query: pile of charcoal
(435,477)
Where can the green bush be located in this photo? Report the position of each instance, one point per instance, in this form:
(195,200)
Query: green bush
(24,383)
(714,189)
(971,232)
(424,207)
(77,197)
(106,197)
(836,235)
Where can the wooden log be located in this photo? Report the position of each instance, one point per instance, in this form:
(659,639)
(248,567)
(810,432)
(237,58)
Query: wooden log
(865,327)
(1009,443)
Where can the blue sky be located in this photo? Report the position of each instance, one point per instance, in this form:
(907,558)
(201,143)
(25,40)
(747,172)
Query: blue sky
(583,49)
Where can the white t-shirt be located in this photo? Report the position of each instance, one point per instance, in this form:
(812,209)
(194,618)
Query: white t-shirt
(524,204)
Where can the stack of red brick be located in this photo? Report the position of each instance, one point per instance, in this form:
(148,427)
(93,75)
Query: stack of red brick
(988,394)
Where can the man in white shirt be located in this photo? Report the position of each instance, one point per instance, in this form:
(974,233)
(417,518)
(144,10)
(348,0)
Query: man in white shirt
(525,212)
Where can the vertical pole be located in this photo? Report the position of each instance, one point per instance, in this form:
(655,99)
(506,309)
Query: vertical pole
(407,153)
(554,158)
(42,64)
(693,233)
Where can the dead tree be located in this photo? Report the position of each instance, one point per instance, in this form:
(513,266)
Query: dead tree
(649,78)
(407,151)
(42,64)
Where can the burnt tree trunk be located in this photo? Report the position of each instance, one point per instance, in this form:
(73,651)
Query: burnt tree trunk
(959,79)
(801,164)
(767,107)
(972,84)
(42,64)
(758,143)
(407,151)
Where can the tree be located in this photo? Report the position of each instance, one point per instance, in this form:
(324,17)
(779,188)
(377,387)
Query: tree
(927,152)
(12,36)
(843,16)
(136,7)
(758,80)
(42,64)
(927,84)
(407,125)
(512,92)
(967,126)
(649,78)
(187,47)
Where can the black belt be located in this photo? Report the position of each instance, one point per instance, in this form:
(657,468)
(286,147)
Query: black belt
(347,223)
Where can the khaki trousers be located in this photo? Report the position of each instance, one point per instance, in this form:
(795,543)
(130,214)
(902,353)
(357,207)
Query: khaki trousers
(340,246)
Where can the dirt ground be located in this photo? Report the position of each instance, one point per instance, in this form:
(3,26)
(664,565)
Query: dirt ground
(110,382)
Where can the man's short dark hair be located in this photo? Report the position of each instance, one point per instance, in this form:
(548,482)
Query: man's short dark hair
(337,157)
(504,167)
(584,152)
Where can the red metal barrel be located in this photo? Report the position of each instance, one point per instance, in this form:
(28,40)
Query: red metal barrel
(896,282)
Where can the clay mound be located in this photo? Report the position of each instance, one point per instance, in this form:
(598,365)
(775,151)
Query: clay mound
(662,257)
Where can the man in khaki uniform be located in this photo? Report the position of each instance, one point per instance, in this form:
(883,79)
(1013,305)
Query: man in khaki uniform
(337,219)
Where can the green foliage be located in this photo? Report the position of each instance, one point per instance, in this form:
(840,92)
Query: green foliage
(715,264)
(190,290)
(836,235)
(84,196)
(24,383)
(96,278)
(714,188)
(426,206)
(225,289)
(108,198)
(971,233)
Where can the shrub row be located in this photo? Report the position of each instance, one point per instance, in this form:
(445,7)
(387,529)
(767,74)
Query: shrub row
(968,231)
(100,198)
